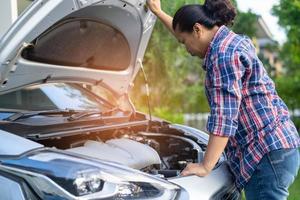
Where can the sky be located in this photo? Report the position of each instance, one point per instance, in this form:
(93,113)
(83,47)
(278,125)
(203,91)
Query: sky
(263,8)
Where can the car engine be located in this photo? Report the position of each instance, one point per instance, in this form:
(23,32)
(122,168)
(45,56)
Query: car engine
(160,154)
(124,151)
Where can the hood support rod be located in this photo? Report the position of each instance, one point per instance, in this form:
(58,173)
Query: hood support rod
(147,89)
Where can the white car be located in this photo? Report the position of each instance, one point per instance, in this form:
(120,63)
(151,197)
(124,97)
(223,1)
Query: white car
(60,140)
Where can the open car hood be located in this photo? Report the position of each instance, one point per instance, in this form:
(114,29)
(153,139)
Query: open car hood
(86,41)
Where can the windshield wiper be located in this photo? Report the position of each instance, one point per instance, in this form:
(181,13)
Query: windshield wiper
(22,115)
(81,115)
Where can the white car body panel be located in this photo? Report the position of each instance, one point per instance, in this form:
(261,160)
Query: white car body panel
(13,145)
(9,187)
(203,187)
(132,20)
(126,152)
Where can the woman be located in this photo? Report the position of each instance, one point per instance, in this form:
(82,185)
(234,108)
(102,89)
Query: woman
(247,116)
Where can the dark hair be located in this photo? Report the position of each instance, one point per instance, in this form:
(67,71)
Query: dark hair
(211,13)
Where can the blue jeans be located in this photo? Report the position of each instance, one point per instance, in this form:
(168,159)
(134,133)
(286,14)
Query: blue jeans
(274,174)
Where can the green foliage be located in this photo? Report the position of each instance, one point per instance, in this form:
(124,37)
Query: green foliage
(268,66)
(294,189)
(288,88)
(165,113)
(288,12)
(245,23)
(197,102)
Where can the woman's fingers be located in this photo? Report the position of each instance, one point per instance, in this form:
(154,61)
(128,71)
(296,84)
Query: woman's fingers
(196,169)
(154,6)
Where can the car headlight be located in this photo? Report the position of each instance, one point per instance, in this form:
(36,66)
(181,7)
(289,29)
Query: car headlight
(57,174)
(88,182)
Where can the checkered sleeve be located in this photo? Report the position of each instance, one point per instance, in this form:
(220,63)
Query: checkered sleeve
(225,78)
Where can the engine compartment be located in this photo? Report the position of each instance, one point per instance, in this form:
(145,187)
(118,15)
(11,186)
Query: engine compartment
(161,153)
(124,151)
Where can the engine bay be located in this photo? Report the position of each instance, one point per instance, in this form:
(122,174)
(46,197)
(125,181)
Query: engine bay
(164,154)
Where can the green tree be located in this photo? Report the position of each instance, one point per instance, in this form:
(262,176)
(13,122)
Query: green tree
(245,23)
(288,12)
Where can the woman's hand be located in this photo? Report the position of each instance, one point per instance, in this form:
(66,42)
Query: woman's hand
(196,169)
(154,6)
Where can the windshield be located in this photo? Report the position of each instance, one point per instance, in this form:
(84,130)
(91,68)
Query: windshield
(54,96)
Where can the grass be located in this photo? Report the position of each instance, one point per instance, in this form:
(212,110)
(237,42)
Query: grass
(294,190)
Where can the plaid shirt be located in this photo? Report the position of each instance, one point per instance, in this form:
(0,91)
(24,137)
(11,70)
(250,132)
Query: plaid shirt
(244,104)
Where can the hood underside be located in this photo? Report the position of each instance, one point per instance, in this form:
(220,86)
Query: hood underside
(86,41)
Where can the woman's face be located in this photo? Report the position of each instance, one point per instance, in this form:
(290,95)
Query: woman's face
(194,42)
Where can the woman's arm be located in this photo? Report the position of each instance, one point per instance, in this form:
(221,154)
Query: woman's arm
(155,7)
(225,87)
(216,146)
